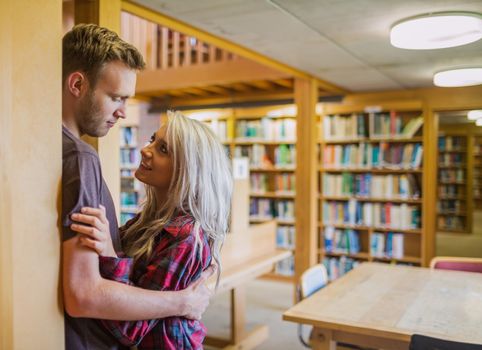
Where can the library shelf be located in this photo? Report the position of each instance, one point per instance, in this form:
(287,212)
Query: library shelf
(370,170)
(371,199)
(273,195)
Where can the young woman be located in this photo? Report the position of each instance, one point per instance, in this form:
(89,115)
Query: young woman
(178,232)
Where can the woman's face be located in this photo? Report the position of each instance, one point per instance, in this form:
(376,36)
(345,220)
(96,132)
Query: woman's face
(156,166)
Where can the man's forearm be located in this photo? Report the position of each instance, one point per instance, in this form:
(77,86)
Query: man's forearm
(116,301)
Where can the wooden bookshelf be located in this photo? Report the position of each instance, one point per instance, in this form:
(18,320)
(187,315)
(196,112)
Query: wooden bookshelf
(477,171)
(454,213)
(370,187)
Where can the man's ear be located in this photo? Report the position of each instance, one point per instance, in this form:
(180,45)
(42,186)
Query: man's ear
(77,84)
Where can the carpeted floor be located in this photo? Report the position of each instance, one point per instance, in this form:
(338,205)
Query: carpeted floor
(266,302)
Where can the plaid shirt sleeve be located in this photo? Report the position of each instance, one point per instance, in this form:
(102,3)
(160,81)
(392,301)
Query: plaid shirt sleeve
(174,265)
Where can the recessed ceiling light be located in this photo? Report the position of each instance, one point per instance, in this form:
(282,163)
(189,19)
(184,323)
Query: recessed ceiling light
(474,115)
(458,77)
(437,30)
(478,122)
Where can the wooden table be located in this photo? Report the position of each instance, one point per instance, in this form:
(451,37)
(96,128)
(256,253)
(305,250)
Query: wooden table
(381,306)
(245,256)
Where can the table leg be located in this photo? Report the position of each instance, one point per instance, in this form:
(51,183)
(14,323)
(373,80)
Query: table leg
(321,339)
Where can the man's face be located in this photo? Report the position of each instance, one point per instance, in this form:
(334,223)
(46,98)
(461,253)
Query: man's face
(105,103)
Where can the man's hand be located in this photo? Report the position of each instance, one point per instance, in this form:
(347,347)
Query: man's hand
(197,295)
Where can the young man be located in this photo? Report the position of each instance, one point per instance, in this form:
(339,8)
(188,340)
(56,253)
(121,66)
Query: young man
(99,75)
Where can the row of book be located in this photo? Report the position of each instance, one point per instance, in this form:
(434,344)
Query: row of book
(220,128)
(337,267)
(455,223)
(341,241)
(451,175)
(450,206)
(285,267)
(129,199)
(130,185)
(281,156)
(261,208)
(285,237)
(389,215)
(405,186)
(451,143)
(389,245)
(283,183)
(266,129)
(129,157)
(128,136)
(124,217)
(451,191)
(373,125)
(377,155)
(451,159)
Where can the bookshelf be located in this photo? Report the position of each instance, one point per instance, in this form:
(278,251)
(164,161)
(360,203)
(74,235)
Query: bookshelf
(453,212)
(134,132)
(370,182)
(267,136)
(477,172)
(131,188)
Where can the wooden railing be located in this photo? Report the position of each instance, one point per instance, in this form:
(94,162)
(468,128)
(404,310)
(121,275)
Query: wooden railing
(164,48)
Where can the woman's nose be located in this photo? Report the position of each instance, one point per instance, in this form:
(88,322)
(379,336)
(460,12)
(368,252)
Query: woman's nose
(145,152)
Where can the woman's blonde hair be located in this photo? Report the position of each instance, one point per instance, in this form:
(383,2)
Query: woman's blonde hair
(201,186)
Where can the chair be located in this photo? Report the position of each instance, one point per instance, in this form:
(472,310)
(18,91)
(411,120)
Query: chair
(311,281)
(422,342)
(457,264)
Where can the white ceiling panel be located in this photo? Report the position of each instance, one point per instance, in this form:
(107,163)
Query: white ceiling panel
(345,42)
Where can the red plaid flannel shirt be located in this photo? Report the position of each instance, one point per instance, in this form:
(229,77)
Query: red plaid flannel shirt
(175,263)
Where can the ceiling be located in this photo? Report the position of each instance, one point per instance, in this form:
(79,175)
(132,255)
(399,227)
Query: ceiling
(344,42)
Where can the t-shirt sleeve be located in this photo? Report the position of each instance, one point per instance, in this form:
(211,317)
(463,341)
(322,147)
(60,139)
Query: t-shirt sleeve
(81,187)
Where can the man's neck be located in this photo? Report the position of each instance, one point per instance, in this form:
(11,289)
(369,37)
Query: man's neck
(72,127)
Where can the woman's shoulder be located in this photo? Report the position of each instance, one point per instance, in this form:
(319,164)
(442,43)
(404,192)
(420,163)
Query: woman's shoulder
(181,225)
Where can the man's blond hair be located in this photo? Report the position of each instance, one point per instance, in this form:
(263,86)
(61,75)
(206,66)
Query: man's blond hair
(88,47)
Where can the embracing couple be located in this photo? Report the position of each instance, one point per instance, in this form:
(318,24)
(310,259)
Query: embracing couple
(142,284)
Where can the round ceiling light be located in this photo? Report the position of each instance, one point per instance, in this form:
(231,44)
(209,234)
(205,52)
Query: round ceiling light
(458,77)
(478,122)
(474,115)
(437,30)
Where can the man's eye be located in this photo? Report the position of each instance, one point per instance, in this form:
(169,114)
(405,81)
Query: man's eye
(116,99)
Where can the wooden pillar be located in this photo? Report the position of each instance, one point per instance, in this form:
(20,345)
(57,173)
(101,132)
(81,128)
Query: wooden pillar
(306,213)
(429,182)
(106,13)
(30,171)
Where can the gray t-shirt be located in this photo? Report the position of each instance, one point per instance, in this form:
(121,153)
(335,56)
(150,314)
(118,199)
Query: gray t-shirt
(83,185)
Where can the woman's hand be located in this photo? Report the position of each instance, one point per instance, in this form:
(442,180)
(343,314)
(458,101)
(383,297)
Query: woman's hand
(94,229)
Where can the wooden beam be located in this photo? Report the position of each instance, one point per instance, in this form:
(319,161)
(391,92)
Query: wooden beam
(196,91)
(224,44)
(429,183)
(164,47)
(187,51)
(240,87)
(217,90)
(287,83)
(175,49)
(219,73)
(263,85)
(306,208)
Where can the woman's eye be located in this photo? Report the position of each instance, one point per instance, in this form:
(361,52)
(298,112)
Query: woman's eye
(163,149)
(151,140)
